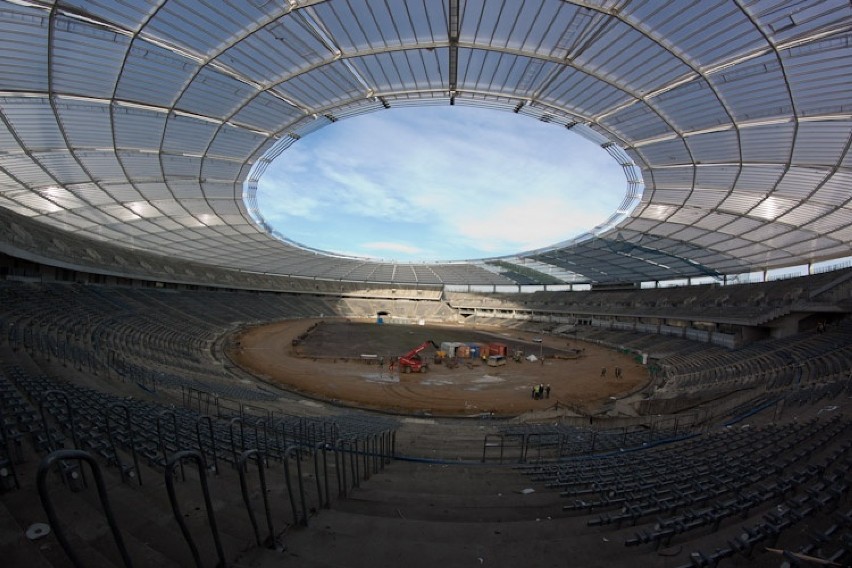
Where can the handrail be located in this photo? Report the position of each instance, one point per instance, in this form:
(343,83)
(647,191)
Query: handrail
(313,435)
(212,439)
(44,424)
(296,518)
(231,422)
(385,448)
(108,413)
(339,469)
(343,447)
(324,446)
(171,463)
(386,453)
(353,464)
(262,422)
(5,442)
(563,442)
(377,448)
(162,441)
(539,437)
(47,504)
(260,457)
(367,457)
(486,445)
(390,448)
(281,455)
(68,407)
(68,473)
(330,431)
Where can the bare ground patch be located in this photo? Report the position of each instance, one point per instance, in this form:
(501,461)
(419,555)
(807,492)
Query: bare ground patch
(325,365)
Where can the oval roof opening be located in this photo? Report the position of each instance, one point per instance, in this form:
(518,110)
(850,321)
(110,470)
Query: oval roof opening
(439,183)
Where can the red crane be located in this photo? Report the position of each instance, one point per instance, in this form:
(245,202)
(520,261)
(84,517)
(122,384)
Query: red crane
(411,361)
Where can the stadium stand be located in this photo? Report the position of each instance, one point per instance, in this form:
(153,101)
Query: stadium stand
(134,138)
(687,479)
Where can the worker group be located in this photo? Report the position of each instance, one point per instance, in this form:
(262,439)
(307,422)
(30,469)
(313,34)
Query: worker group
(540,391)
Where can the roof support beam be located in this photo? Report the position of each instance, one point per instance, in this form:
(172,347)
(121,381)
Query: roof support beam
(453,34)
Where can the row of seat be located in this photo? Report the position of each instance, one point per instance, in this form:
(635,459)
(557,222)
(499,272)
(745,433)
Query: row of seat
(831,546)
(542,441)
(702,299)
(775,364)
(114,427)
(701,480)
(655,345)
(775,478)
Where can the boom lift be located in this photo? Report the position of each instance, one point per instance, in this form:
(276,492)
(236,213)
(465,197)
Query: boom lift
(411,361)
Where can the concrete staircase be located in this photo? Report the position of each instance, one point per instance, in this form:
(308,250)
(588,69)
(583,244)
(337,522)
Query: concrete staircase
(420,514)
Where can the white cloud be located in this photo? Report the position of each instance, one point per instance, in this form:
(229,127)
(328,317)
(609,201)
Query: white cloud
(522,226)
(292,204)
(353,191)
(479,183)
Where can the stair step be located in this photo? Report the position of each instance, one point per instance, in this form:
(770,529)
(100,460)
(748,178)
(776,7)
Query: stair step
(145,512)
(25,507)
(15,548)
(423,544)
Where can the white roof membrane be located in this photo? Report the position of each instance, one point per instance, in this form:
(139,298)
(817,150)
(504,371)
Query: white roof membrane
(146,126)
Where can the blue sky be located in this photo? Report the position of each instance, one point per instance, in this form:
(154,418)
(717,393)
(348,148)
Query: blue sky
(439,183)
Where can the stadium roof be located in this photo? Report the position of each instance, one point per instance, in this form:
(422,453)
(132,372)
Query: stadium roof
(145,126)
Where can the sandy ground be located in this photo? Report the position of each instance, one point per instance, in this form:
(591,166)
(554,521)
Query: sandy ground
(326,365)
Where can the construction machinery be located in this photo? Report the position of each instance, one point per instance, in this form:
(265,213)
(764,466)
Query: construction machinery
(411,362)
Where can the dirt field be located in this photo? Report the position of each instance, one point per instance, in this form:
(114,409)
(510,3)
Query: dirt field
(327,365)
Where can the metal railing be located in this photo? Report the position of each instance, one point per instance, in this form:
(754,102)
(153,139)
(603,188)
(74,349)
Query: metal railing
(209,422)
(4,445)
(161,440)
(72,475)
(126,472)
(44,467)
(171,464)
(302,518)
(260,459)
